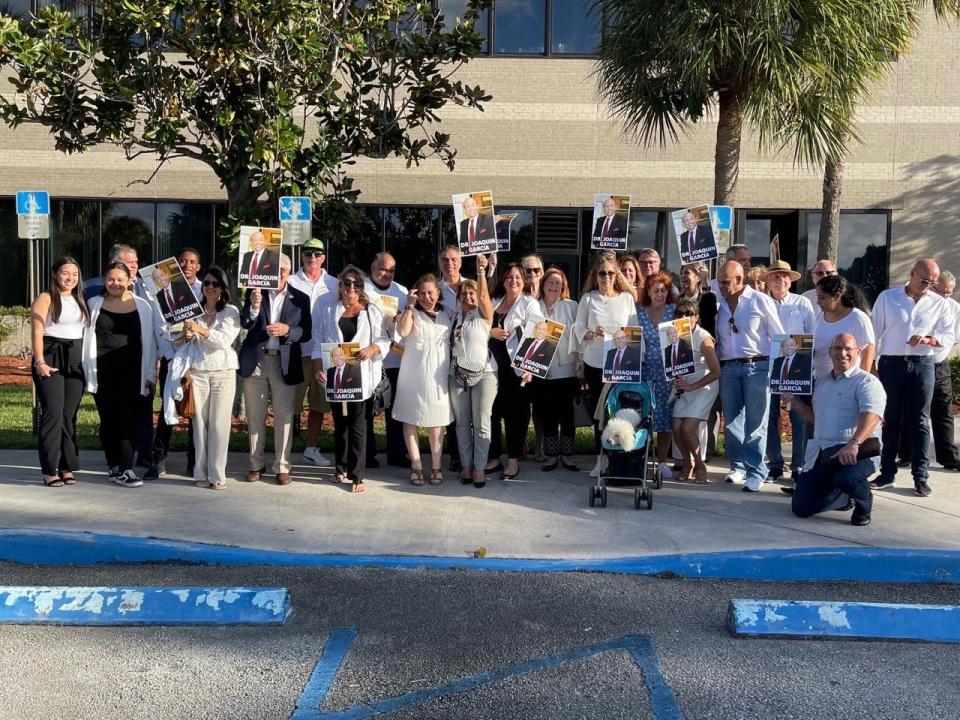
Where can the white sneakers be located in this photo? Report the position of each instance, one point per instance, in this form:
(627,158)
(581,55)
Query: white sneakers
(312,454)
(666,472)
(737,477)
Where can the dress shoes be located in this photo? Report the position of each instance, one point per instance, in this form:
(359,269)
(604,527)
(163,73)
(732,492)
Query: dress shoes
(254,475)
(284,479)
(860,520)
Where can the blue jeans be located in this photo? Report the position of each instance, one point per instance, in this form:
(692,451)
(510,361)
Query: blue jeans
(908,382)
(774,446)
(826,486)
(746,406)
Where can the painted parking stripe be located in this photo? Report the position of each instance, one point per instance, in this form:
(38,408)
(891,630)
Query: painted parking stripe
(662,701)
(894,565)
(844,620)
(144,605)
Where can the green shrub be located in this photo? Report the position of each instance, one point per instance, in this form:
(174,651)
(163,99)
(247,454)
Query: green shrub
(955,377)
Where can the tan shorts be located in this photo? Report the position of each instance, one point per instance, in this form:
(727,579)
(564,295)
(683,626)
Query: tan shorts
(312,390)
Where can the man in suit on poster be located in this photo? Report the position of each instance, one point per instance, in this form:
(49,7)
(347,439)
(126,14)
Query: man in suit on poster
(538,348)
(342,375)
(696,237)
(678,351)
(259,260)
(171,296)
(791,366)
(476,228)
(623,359)
(612,224)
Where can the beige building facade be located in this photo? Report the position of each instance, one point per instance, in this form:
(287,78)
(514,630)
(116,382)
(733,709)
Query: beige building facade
(544,145)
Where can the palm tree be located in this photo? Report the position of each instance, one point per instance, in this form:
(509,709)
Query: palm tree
(828,243)
(665,65)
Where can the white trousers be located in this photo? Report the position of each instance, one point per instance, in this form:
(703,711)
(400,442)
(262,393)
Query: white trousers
(213,395)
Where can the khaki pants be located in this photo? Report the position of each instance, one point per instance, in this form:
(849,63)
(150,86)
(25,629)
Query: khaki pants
(268,379)
(213,394)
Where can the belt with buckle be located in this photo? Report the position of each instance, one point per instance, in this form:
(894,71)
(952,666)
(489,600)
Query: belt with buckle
(267,351)
(741,361)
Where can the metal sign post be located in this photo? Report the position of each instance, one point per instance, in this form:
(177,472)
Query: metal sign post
(33,224)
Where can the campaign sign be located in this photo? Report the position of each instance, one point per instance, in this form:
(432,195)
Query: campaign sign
(538,346)
(695,234)
(475,222)
(676,342)
(167,285)
(721,220)
(611,222)
(504,223)
(343,371)
(623,355)
(792,368)
(260,249)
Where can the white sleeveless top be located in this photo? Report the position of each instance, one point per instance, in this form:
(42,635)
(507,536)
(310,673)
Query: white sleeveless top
(70,326)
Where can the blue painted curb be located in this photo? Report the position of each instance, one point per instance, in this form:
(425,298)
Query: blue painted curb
(844,620)
(144,605)
(893,565)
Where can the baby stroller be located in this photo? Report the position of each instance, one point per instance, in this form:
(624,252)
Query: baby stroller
(639,465)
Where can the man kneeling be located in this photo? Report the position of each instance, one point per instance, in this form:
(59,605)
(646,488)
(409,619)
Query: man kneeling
(847,408)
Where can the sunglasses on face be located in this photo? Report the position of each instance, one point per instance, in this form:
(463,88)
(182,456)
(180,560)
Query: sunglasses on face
(311,253)
(211,283)
(605,273)
(533,271)
(351,284)
(924,283)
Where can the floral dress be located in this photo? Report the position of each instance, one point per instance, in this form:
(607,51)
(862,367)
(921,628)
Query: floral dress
(653,367)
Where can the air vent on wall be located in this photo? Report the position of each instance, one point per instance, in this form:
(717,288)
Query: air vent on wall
(558,231)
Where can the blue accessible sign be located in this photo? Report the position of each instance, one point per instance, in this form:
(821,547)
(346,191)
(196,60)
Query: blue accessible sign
(33,202)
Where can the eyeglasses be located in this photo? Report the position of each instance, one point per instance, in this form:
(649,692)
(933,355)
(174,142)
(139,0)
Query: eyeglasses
(606,273)
(844,349)
(211,283)
(823,273)
(533,271)
(311,253)
(924,283)
(733,326)
(351,284)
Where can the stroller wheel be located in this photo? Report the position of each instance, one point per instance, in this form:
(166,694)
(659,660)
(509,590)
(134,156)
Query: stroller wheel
(649,500)
(593,495)
(603,497)
(637,497)
(657,477)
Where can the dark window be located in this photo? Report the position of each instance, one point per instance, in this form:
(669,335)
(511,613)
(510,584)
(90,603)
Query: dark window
(130,223)
(574,28)
(864,251)
(758,239)
(13,270)
(363,241)
(454,10)
(181,225)
(410,235)
(522,241)
(519,27)
(75,231)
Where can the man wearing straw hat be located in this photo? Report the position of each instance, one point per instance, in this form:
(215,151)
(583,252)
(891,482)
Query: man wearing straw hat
(797,317)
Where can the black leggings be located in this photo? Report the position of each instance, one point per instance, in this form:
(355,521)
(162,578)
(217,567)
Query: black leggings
(118,424)
(553,409)
(512,406)
(59,396)
(594,379)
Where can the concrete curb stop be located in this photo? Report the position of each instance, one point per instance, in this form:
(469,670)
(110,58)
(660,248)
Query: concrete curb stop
(144,605)
(803,619)
(876,565)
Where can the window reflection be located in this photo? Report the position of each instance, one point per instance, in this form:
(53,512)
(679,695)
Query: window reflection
(454,10)
(758,239)
(13,271)
(863,255)
(519,26)
(410,235)
(181,225)
(130,223)
(75,231)
(574,28)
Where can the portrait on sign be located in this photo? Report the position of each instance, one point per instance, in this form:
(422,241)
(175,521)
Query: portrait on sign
(342,372)
(695,234)
(611,222)
(538,346)
(676,339)
(792,368)
(623,355)
(170,290)
(475,222)
(259,265)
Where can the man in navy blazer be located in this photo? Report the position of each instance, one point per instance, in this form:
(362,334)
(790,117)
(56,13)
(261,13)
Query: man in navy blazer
(277,321)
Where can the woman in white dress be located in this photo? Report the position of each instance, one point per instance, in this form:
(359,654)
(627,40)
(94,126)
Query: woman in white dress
(423,396)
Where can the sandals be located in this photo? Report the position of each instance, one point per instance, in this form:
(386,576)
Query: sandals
(700,478)
(219,486)
(358,486)
(202,484)
(416,476)
(68,479)
(338,478)
(436,476)
(53,481)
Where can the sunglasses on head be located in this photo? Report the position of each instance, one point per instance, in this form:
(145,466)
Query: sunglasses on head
(211,283)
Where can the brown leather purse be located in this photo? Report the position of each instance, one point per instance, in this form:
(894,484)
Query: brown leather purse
(185,406)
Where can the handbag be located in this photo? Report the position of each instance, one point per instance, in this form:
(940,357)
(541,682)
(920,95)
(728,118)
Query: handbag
(382,397)
(581,410)
(186,408)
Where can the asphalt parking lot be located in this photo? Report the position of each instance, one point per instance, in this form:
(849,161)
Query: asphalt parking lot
(417,630)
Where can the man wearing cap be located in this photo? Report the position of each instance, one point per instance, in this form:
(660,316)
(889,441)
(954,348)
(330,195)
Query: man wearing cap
(318,285)
(381,284)
(797,317)
(277,321)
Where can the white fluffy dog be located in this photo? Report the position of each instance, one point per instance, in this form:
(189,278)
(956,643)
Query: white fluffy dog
(621,429)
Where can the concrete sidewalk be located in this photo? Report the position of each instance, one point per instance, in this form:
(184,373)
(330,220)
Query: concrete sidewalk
(537,515)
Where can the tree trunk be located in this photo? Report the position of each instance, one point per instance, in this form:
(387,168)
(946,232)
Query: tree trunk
(829,243)
(727,162)
(241,196)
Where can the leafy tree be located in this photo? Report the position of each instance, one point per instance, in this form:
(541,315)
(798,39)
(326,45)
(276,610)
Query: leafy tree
(828,243)
(665,65)
(274,96)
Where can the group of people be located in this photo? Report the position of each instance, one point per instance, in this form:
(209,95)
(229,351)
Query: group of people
(444,350)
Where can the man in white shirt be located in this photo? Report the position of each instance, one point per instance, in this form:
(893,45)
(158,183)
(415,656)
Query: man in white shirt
(318,285)
(381,284)
(797,317)
(910,324)
(277,321)
(747,320)
(822,269)
(189,262)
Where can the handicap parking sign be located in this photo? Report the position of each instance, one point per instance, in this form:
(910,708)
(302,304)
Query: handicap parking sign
(295,209)
(33,202)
